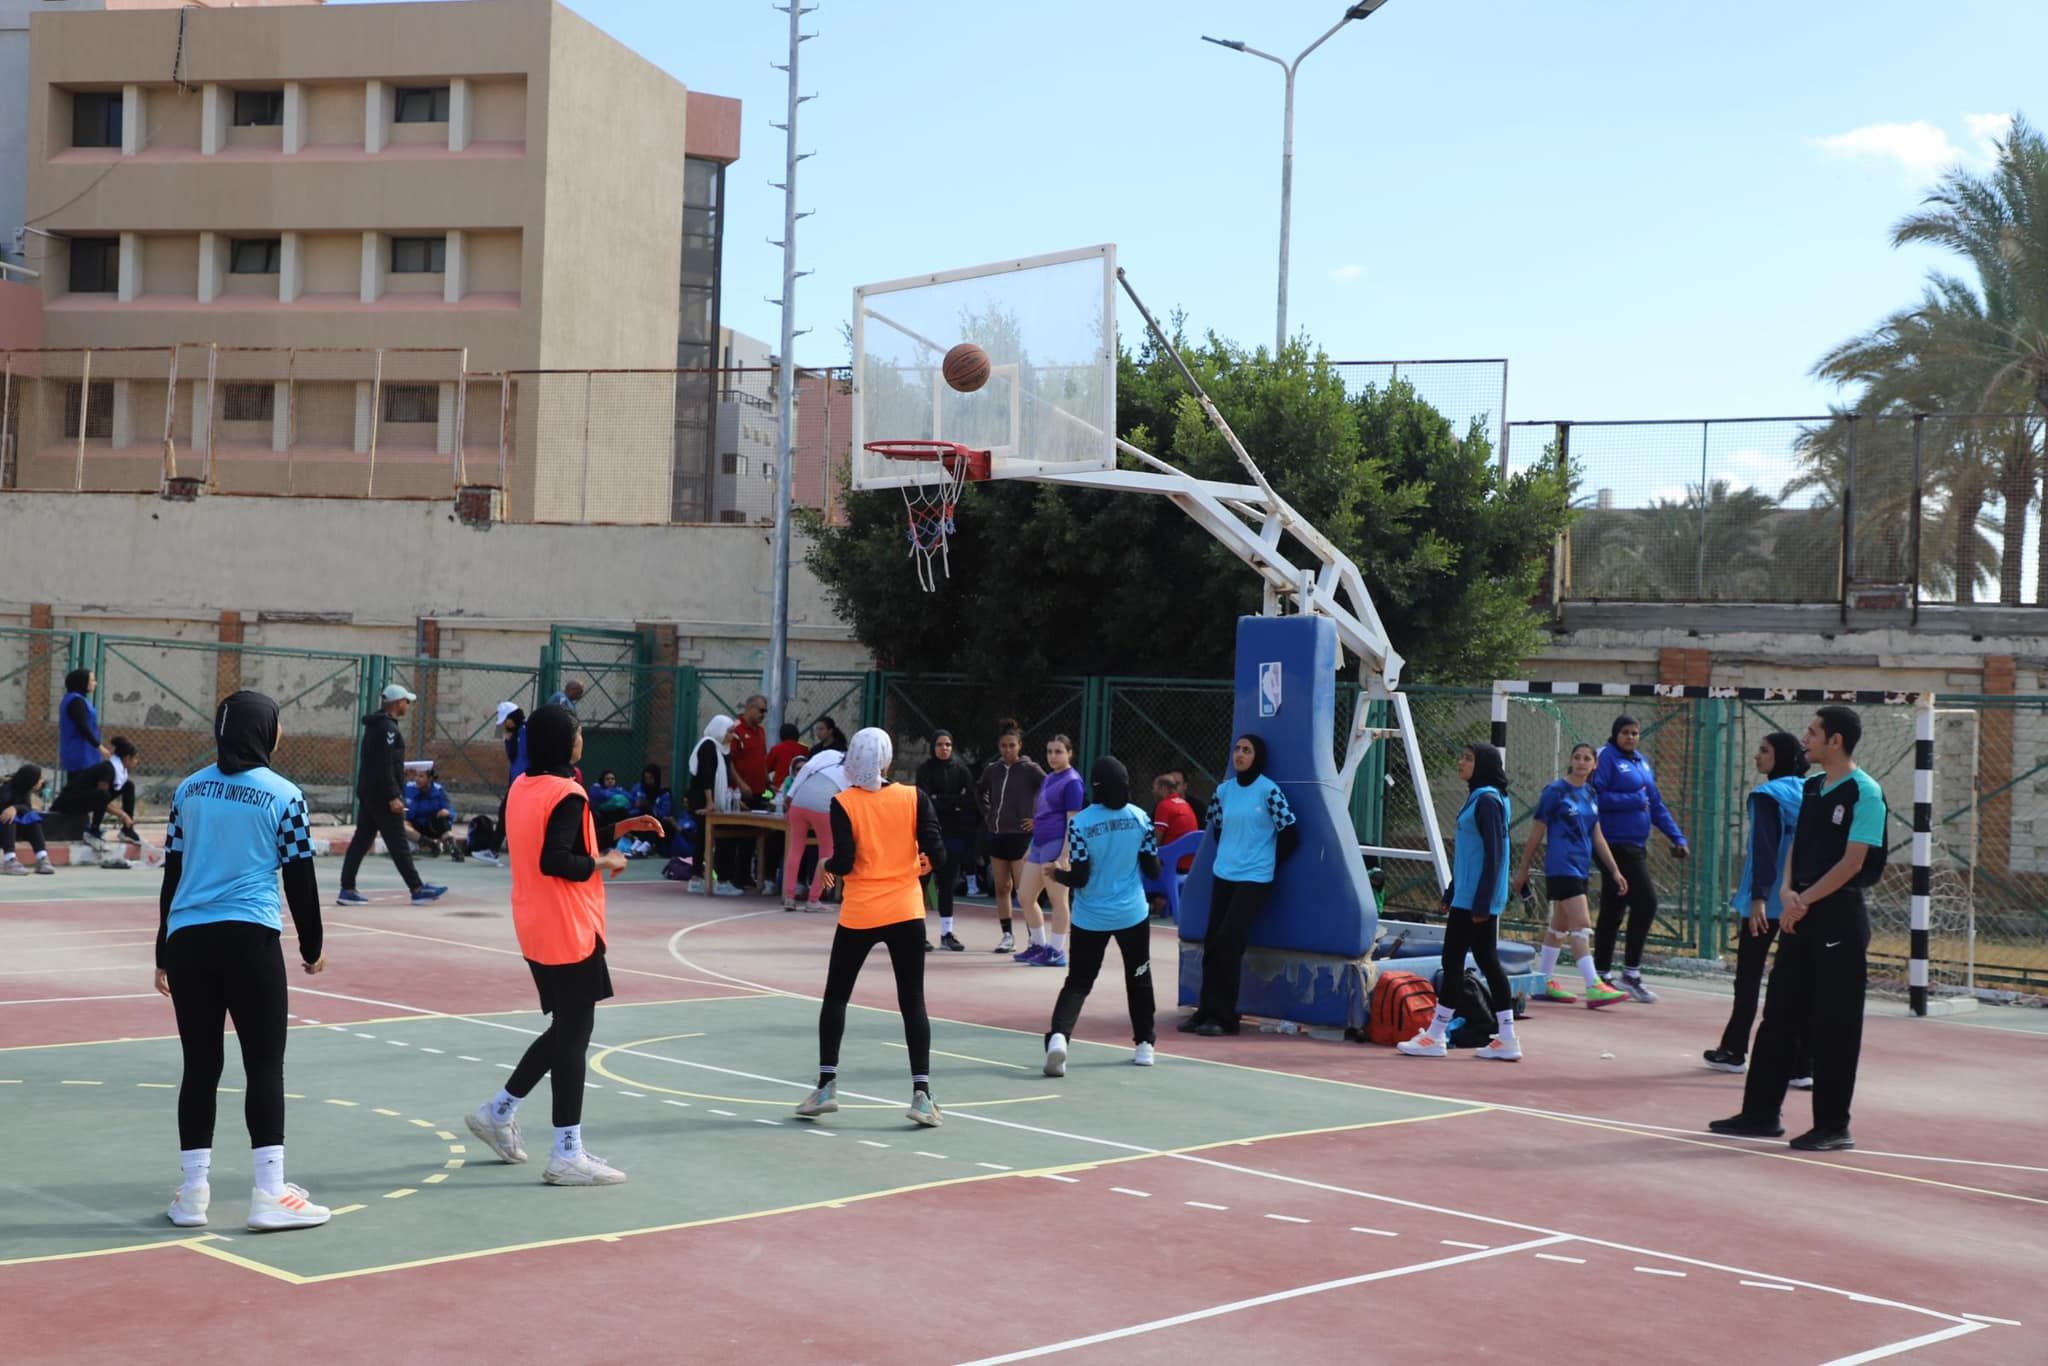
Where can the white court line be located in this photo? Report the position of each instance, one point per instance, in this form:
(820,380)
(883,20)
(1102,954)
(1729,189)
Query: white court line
(871,1143)
(1769,1285)
(1126,1190)
(1277,1297)
(1193,1158)
(995,1166)
(67,1000)
(1453,1242)
(1658,1271)
(1375,1232)
(1909,1345)
(1055,1176)
(1296,1219)
(1575,1261)
(1203,1204)
(1986,1318)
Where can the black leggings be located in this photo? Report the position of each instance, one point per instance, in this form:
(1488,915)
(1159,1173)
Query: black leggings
(1481,938)
(1084,960)
(558,1054)
(948,873)
(1752,951)
(230,969)
(372,821)
(87,792)
(1641,901)
(1232,906)
(850,948)
(11,832)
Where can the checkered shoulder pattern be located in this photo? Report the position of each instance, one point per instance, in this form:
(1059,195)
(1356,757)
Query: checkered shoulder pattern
(294,839)
(174,833)
(1278,809)
(1077,845)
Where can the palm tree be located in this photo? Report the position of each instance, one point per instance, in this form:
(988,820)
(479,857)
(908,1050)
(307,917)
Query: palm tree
(1999,223)
(1712,535)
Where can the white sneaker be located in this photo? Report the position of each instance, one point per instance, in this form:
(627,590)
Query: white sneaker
(502,1139)
(1143,1057)
(13,868)
(45,868)
(1501,1050)
(483,856)
(1801,1083)
(695,885)
(823,1101)
(1422,1046)
(188,1205)
(269,1213)
(725,889)
(580,1168)
(1056,1056)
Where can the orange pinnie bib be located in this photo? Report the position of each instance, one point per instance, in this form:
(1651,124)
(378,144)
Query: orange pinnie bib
(883,888)
(558,921)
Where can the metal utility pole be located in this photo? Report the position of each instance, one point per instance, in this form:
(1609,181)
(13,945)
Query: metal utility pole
(1363,10)
(785,434)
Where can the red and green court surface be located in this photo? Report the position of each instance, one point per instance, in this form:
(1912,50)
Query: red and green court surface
(1248,1199)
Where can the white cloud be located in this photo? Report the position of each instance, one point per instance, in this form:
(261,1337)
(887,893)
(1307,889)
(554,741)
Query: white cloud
(1345,275)
(1986,130)
(1919,147)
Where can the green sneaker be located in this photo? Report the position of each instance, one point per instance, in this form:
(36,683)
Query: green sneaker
(823,1101)
(1600,994)
(923,1110)
(1554,989)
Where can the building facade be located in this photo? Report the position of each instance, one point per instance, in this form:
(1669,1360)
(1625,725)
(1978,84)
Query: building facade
(336,212)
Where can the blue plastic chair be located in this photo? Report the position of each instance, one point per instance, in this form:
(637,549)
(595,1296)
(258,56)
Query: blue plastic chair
(1167,884)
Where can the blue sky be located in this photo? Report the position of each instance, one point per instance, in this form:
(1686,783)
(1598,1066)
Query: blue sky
(1653,210)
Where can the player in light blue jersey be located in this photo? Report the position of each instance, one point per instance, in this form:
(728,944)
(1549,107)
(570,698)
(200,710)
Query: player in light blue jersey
(233,826)
(1111,850)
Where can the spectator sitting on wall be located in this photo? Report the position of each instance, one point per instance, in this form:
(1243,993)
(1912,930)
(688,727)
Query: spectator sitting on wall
(782,758)
(19,820)
(122,760)
(608,799)
(649,797)
(429,812)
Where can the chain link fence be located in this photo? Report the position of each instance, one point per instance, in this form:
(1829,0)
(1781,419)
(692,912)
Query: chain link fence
(1466,392)
(1884,512)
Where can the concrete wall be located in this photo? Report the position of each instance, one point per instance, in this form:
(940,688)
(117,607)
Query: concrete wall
(356,576)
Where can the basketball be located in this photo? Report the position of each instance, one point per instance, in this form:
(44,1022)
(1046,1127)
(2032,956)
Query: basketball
(966,367)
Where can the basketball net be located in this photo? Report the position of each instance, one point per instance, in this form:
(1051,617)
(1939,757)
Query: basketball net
(928,505)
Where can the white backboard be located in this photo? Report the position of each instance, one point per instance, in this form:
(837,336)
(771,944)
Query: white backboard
(1048,324)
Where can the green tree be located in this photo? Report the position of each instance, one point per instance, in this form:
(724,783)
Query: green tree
(1052,580)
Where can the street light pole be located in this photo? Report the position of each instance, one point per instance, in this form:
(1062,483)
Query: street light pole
(1359,11)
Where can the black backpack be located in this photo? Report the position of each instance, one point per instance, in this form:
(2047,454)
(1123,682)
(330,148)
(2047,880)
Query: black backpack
(1469,997)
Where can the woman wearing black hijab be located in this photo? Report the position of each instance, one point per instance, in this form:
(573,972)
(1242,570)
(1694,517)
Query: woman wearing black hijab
(1780,762)
(947,780)
(1254,829)
(233,824)
(558,910)
(1472,905)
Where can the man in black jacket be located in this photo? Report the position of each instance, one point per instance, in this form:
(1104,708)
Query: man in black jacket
(380,801)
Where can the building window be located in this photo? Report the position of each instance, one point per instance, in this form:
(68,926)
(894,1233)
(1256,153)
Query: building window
(730,463)
(248,402)
(419,255)
(412,403)
(732,515)
(420,104)
(96,118)
(99,410)
(255,255)
(259,108)
(95,265)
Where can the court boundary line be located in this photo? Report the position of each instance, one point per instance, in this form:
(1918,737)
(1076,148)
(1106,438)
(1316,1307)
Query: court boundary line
(1258,1301)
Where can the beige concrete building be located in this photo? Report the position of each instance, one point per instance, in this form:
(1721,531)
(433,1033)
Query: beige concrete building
(379,196)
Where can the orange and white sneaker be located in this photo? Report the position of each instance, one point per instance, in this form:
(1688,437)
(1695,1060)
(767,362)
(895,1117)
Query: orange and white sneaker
(269,1213)
(1423,1045)
(1501,1050)
(188,1205)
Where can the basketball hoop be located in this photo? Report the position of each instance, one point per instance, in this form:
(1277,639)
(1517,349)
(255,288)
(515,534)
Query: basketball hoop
(931,495)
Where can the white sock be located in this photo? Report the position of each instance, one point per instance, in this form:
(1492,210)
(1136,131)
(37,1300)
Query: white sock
(12,859)
(1587,970)
(1058,941)
(1037,936)
(1440,1022)
(1629,974)
(269,1164)
(568,1140)
(197,1162)
(1548,961)
(503,1105)
(945,924)
(1505,1020)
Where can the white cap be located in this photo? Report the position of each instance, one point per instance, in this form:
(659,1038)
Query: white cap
(504,710)
(398,692)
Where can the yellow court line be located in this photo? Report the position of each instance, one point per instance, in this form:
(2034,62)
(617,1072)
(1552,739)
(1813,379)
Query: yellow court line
(106,1251)
(493,948)
(1622,1127)
(221,1254)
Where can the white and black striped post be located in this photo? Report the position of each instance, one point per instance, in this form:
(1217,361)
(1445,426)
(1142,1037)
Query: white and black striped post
(1500,720)
(1923,849)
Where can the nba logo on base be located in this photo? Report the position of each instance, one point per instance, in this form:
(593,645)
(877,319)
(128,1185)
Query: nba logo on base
(1269,689)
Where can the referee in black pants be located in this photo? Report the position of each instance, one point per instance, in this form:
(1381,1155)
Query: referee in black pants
(1817,984)
(380,801)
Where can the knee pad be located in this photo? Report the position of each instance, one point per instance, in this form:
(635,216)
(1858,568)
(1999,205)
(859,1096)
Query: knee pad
(1581,943)
(1553,938)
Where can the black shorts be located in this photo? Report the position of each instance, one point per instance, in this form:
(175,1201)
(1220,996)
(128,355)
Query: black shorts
(572,984)
(1009,848)
(1561,888)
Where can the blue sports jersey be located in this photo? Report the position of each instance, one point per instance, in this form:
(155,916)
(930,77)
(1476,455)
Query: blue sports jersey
(1253,815)
(234,831)
(1109,842)
(1569,815)
(1470,861)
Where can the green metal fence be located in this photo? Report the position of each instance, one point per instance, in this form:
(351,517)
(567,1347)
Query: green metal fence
(1990,848)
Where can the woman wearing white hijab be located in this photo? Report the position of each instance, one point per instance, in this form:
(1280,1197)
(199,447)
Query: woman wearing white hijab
(710,790)
(885,836)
